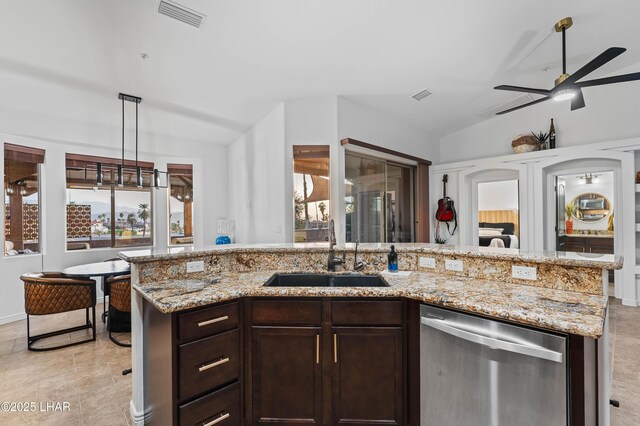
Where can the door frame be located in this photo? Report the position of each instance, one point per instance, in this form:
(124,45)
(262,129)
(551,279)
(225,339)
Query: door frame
(468,181)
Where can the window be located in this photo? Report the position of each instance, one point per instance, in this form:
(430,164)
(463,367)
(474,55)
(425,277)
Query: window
(180,203)
(107,215)
(379,200)
(311,192)
(21,199)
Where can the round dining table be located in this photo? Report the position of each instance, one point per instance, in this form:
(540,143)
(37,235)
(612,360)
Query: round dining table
(98,269)
(110,268)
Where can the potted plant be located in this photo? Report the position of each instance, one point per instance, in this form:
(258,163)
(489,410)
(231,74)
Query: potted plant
(541,138)
(570,210)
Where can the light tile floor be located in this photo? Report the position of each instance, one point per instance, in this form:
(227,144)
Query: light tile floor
(89,376)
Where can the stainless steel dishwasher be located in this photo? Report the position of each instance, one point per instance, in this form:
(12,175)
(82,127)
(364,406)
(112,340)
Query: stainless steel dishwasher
(476,372)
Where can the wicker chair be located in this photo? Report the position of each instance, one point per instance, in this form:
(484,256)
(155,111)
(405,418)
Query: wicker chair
(48,293)
(119,318)
(104,285)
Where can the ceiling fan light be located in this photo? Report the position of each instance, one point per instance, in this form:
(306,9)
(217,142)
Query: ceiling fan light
(564,95)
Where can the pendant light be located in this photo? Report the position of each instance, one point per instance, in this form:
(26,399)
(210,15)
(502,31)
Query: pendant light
(99,176)
(9,190)
(138,169)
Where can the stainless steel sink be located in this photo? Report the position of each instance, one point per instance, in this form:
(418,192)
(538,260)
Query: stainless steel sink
(325,280)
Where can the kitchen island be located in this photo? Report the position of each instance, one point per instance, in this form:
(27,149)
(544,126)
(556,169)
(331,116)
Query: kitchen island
(567,297)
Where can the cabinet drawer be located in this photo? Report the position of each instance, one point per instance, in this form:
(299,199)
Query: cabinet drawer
(274,312)
(207,322)
(208,363)
(601,242)
(366,312)
(218,408)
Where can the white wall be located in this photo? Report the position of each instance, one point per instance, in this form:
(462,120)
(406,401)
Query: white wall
(611,113)
(261,160)
(210,192)
(313,122)
(604,187)
(359,122)
(256,181)
(501,195)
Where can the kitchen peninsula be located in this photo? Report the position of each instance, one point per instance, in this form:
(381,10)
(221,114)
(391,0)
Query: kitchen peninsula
(217,346)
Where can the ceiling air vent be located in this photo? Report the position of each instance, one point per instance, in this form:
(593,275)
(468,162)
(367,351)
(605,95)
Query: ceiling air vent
(421,95)
(511,103)
(181,13)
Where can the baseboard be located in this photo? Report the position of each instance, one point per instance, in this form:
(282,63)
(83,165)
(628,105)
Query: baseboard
(17,317)
(137,416)
(12,318)
(630,302)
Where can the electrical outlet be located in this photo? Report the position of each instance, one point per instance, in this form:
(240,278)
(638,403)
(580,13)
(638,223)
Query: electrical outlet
(524,272)
(427,262)
(453,265)
(197,266)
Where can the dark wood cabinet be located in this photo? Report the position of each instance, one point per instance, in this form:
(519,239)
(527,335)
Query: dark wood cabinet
(367,376)
(192,366)
(287,375)
(586,244)
(326,361)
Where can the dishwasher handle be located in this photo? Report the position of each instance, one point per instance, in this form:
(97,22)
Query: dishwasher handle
(529,350)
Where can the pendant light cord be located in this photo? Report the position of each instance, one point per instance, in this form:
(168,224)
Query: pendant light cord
(136,134)
(123,131)
(564,51)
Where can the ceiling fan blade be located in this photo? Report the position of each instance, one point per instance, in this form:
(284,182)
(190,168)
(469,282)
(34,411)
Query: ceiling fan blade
(537,101)
(610,80)
(577,101)
(523,89)
(600,60)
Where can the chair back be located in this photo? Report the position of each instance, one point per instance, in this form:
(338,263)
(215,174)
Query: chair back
(53,292)
(120,288)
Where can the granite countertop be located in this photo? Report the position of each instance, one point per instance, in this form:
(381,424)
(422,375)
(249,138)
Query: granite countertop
(587,235)
(604,261)
(551,309)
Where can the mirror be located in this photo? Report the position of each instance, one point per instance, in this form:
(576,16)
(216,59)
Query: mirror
(591,207)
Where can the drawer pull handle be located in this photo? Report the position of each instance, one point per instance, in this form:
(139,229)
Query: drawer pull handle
(317,349)
(213,364)
(217,419)
(335,348)
(212,321)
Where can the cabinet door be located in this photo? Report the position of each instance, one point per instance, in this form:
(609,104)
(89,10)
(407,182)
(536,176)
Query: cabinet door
(287,375)
(367,375)
(577,247)
(601,245)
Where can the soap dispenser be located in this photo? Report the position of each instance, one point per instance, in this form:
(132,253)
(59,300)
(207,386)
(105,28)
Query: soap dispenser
(392,258)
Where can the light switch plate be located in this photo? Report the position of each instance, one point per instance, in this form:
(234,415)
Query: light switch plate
(197,266)
(453,265)
(427,262)
(524,272)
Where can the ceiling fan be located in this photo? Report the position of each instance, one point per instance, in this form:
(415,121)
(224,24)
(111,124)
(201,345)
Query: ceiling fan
(567,86)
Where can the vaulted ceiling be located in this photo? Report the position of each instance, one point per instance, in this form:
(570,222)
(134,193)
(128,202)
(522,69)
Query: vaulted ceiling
(70,58)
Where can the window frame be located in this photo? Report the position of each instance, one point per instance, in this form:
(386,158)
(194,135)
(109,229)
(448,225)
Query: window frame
(173,168)
(76,161)
(24,154)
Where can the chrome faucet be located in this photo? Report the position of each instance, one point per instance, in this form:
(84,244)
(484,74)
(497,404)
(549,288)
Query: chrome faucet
(334,261)
(357,266)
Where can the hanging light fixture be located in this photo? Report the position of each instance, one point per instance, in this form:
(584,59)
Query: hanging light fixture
(588,179)
(22,185)
(99,177)
(121,168)
(9,190)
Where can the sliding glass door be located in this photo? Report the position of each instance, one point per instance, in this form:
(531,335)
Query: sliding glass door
(379,199)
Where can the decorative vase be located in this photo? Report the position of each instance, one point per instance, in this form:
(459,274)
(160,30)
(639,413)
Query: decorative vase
(569,226)
(525,143)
